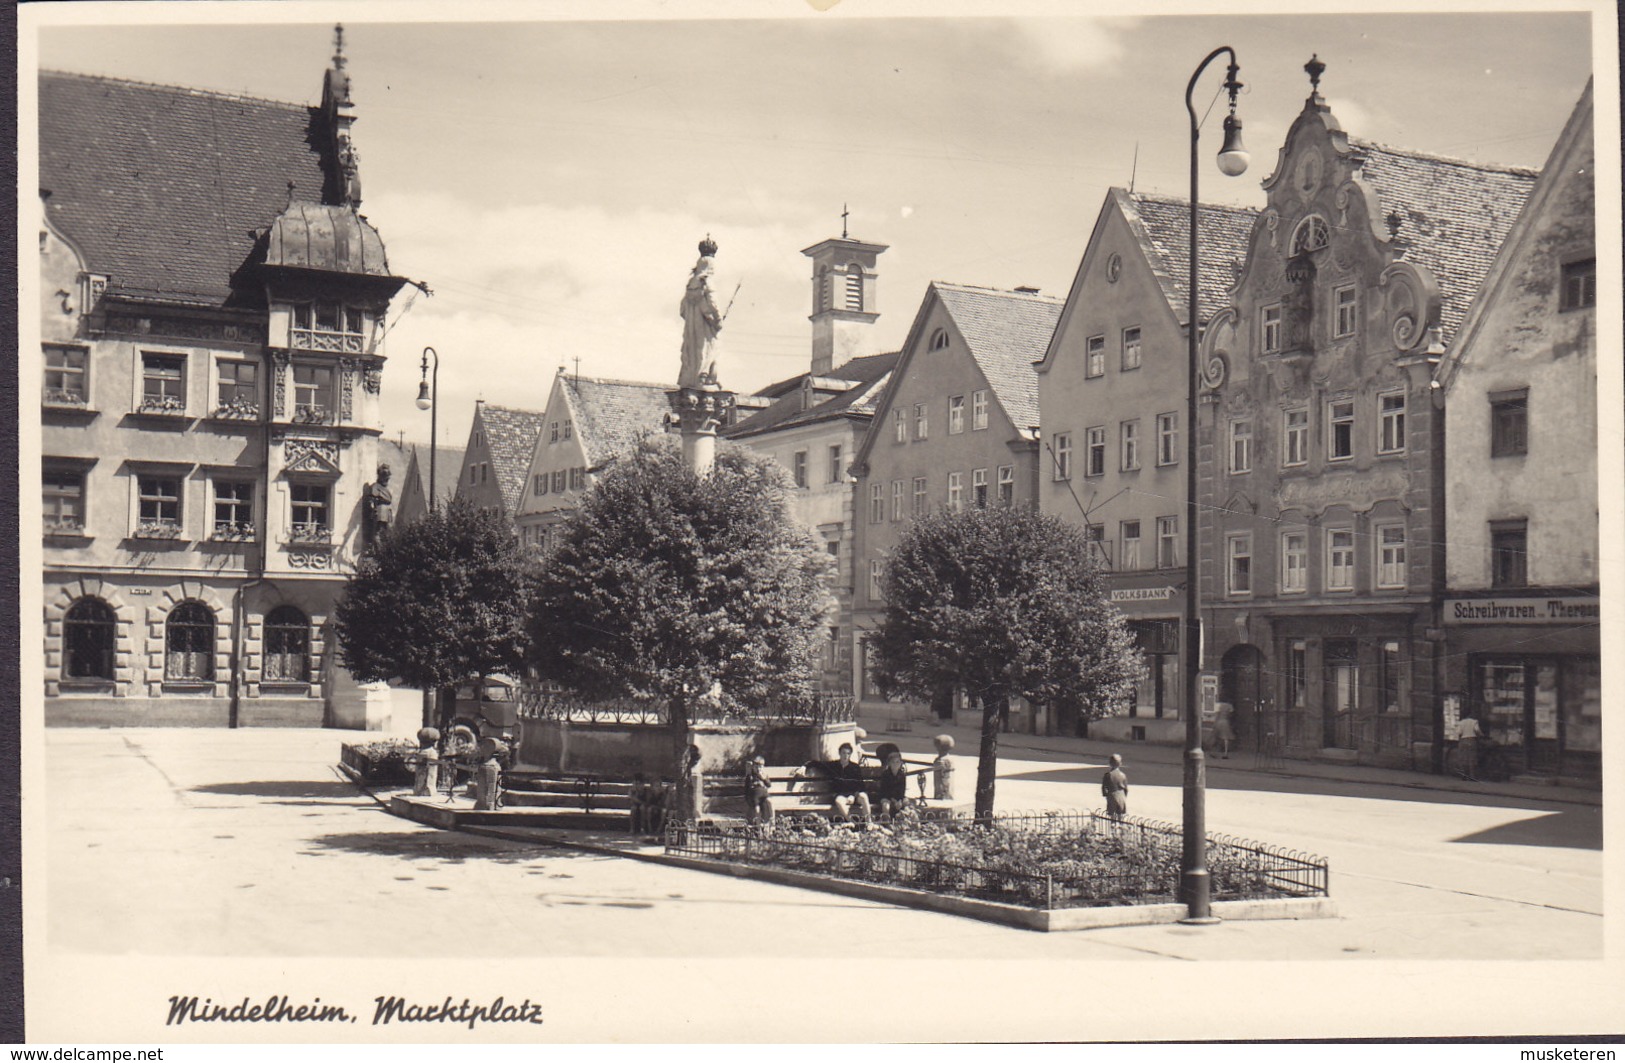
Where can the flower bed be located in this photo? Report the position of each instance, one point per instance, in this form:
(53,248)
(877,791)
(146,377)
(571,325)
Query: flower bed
(1053,861)
(381,762)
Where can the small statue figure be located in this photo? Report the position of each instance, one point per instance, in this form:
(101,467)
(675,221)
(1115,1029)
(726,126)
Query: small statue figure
(488,775)
(942,768)
(380,504)
(701,323)
(425,761)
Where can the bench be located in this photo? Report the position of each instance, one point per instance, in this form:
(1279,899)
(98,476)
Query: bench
(795,793)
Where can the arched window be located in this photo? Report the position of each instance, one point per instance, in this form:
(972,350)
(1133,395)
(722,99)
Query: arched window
(1312,234)
(939,339)
(189,643)
(287,646)
(88,633)
(854,287)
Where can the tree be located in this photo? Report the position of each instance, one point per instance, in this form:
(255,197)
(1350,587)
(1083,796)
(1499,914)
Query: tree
(671,586)
(437,602)
(1003,603)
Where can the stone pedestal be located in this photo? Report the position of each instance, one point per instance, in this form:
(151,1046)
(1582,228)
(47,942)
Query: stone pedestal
(698,413)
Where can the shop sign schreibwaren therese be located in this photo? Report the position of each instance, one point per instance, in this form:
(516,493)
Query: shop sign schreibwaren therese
(1522,611)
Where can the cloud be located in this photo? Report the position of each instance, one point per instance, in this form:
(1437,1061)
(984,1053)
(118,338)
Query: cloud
(1066,45)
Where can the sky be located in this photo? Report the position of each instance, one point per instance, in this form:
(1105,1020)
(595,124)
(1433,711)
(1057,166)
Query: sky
(550,180)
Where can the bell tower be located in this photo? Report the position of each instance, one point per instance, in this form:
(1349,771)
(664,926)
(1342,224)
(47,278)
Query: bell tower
(843,299)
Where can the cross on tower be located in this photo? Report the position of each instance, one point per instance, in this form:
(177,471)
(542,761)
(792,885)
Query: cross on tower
(338,46)
(843,221)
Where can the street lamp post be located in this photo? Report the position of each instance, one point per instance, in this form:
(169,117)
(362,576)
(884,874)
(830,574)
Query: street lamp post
(428,399)
(428,396)
(1195,886)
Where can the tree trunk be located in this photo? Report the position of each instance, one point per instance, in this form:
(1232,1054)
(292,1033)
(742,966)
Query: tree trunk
(994,705)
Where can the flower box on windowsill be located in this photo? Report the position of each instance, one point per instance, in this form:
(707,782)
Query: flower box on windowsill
(157,529)
(65,527)
(161,407)
(66,398)
(233,533)
(312,415)
(239,410)
(310,534)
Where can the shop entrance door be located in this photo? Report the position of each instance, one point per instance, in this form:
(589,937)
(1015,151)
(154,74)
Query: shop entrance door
(1342,687)
(1240,674)
(1519,696)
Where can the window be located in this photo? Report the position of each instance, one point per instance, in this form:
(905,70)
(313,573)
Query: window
(978,488)
(325,326)
(312,394)
(1509,553)
(552,432)
(1167,439)
(1339,559)
(1344,308)
(1063,456)
(538,485)
(1241,447)
(1294,562)
(578,477)
(163,383)
(1167,542)
(1312,234)
(65,375)
(189,643)
(897,496)
(158,507)
(1270,328)
(89,635)
(1095,362)
(1579,285)
(956,414)
(1129,437)
(1340,439)
(1007,485)
(798,468)
(310,512)
(64,501)
(956,490)
(1095,536)
(1390,555)
(978,411)
(1095,451)
(287,646)
(899,420)
(238,389)
(1131,348)
(1130,532)
(877,573)
(1295,437)
(568,430)
(877,503)
(1509,423)
(939,340)
(233,509)
(559,477)
(922,500)
(1239,549)
(837,471)
(1391,423)
(1297,673)
(921,428)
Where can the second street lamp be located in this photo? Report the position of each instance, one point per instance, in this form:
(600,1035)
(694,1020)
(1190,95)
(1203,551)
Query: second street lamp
(428,394)
(1195,886)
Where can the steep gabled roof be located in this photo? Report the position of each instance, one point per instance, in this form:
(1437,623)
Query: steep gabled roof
(1163,226)
(510,435)
(868,373)
(1006,333)
(166,189)
(610,415)
(1455,214)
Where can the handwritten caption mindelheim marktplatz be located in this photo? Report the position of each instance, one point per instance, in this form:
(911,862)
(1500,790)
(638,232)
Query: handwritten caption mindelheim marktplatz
(386,1010)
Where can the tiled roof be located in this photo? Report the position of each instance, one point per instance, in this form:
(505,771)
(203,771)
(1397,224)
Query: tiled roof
(870,374)
(1456,215)
(162,188)
(610,415)
(1163,224)
(1006,332)
(510,435)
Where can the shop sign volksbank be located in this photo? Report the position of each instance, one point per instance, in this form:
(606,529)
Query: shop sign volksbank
(1522,610)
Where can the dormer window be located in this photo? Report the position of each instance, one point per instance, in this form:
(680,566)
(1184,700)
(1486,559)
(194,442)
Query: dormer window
(1312,234)
(939,340)
(327,326)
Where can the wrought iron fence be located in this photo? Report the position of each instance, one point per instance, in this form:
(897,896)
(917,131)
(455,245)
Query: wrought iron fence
(541,703)
(1239,869)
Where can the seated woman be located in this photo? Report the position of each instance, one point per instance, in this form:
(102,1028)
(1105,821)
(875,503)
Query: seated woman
(893,787)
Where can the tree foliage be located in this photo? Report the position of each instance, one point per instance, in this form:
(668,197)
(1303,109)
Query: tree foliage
(667,584)
(436,602)
(1004,603)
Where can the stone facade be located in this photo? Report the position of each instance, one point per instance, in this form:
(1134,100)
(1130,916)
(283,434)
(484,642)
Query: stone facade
(209,412)
(1321,451)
